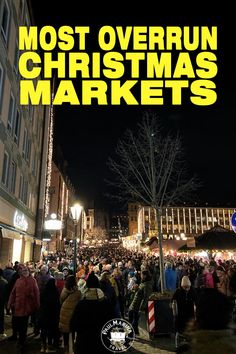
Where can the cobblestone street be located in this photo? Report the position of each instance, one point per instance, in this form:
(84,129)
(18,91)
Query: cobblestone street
(142,344)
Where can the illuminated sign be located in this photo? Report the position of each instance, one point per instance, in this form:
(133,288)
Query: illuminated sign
(53,223)
(20,221)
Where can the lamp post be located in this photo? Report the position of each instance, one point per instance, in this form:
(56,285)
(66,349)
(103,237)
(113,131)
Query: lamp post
(75,212)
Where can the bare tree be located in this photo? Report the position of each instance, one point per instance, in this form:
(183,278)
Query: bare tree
(150,169)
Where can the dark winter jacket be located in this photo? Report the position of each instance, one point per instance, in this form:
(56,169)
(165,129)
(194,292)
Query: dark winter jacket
(90,315)
(185,303)
(140,301)
(3,292)
(49,306)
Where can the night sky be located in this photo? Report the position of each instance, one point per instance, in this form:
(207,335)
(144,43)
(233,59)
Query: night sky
(88,135)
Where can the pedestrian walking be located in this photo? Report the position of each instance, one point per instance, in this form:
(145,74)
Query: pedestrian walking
(23,301)
(3,299)
(49,312)
(90,315)
(140,300)
(185,298)
(69,298)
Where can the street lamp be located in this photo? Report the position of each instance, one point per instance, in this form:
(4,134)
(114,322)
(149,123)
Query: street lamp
(75,212)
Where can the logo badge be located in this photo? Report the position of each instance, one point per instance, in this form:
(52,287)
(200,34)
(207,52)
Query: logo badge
(117,335)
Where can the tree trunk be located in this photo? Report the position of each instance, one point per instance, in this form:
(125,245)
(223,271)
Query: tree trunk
(161,257)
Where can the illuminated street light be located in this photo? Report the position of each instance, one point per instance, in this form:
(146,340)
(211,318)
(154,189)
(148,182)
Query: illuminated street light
(76,210)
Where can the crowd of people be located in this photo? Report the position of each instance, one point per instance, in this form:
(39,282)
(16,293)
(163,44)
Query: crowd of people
(110,282)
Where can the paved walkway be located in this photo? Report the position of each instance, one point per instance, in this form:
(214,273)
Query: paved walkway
(142,344)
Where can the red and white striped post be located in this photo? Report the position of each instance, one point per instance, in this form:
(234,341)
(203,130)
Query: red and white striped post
(151,317)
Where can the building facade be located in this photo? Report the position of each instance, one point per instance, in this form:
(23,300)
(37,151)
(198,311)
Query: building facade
(177,223)
(61,197)
(23,146)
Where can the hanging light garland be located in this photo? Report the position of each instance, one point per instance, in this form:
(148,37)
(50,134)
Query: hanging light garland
(49,160)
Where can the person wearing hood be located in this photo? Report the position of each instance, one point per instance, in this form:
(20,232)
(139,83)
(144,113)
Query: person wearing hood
(90,315)
(69,298)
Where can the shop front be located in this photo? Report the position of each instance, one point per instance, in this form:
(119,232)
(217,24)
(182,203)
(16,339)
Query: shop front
(17,242)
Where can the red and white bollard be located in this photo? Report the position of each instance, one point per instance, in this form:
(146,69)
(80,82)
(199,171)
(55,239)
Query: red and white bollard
(151,317)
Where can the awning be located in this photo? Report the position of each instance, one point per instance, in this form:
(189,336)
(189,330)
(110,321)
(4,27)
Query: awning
(7,233)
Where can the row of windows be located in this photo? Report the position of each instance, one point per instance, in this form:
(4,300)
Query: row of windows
(9,176)
(14,128)
(6,18)
(5,22)
(14,114)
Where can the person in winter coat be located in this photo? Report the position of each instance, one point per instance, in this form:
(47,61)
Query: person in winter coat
(59,281)
(90,315)
(140,300)
(8,272)
(170,277)
(42,278)
(185,297)
(11,282)
(209,281)
(3,298)
(69,298)
(23,301)
(222,284)
(180,272)
(49,312)
(109,290)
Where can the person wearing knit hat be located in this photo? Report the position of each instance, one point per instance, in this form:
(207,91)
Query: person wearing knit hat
(185,282)
(185,298)
(92,281)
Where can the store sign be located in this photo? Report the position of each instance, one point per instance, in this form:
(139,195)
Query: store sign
(20,221)
(53,224)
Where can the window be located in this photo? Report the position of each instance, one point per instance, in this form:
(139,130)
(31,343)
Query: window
(17,127)
(1,83)
(24,143)
(21,187)
(25,193)
(13,177)
(11,110)
(23,190)
(33,164)
(16,59)
(5,23)
(26,151)
(27,23)
(5,169)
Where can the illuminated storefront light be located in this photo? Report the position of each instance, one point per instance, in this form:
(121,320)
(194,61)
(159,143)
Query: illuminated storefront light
(53,223)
